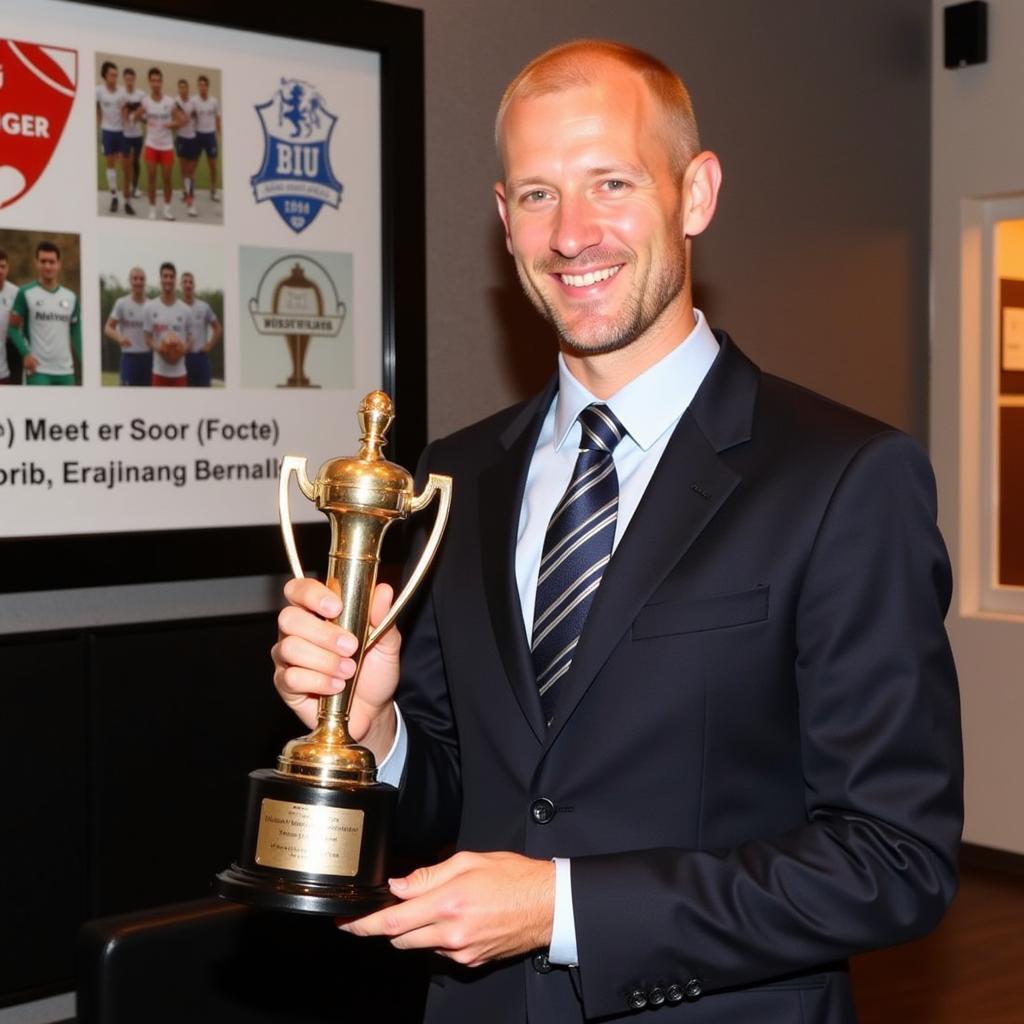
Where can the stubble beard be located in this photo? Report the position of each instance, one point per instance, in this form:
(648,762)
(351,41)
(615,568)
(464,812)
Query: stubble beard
(641,310)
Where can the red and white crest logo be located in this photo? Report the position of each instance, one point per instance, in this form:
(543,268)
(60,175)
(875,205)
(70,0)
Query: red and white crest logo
(37,88)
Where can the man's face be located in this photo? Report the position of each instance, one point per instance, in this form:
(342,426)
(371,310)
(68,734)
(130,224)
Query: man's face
(188,287)
(129,81)
(110,77)
(167,281)
(3,273)
(156,84)
(593,211)
(48,267)
(204,88)
(137,281)
(183,90)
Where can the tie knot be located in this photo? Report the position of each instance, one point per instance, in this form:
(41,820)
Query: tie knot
(601,430)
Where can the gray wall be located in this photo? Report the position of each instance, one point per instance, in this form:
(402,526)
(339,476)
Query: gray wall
(817,260)
(974,156)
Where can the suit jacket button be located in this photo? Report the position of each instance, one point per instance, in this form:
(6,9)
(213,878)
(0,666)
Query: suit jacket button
(542,810)
(656,996)
(674,994)
(694,988)
(541,963)
(637,999)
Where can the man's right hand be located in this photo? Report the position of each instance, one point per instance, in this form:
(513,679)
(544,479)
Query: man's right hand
(313,657)
(31,362)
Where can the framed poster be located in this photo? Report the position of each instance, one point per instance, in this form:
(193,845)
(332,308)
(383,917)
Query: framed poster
(211,248)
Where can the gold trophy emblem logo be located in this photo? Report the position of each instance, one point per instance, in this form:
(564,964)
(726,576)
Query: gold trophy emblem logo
(302,305)
(316,835)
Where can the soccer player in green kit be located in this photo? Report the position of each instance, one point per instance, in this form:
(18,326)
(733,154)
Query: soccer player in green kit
(45,323)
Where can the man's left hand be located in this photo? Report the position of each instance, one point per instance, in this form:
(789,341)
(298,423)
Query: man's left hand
(471,908)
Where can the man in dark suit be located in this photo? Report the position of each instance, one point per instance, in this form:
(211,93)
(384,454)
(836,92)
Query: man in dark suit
(679,691)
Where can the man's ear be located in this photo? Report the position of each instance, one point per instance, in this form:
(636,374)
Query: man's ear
(701,183)
(499,193)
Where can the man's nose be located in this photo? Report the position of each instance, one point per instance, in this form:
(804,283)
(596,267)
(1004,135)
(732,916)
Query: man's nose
(575,229)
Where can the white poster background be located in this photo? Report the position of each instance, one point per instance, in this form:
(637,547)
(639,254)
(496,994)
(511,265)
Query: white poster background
(1013,338)
(319,424)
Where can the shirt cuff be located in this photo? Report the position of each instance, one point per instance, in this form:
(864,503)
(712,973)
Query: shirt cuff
(563,928)
(390,769)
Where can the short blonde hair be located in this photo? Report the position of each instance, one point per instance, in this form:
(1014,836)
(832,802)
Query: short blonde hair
(578,63)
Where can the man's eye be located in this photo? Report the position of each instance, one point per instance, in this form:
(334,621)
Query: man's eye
(615,185)
(535,196)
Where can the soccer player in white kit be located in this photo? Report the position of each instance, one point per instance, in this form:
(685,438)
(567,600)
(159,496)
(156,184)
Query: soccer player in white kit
(8,293)
(110,104)
(207,110)
(126,327)
(186,145)
(166,325)
(161,116)
(132,130)
(46,323)
(205,331)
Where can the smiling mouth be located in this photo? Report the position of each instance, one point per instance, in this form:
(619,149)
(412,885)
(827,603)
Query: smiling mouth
(589,278)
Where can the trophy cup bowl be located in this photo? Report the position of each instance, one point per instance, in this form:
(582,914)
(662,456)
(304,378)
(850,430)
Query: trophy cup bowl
(317,826)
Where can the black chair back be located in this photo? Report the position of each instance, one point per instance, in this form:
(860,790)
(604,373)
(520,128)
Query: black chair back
(210,960)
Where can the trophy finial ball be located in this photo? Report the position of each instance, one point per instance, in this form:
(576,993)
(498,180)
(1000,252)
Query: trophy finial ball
(375,416)
(378,402)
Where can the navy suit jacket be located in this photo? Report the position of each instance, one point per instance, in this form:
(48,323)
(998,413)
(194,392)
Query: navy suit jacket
(755,764)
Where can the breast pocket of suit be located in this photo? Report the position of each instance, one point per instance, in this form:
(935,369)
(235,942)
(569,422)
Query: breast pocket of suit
(677,615)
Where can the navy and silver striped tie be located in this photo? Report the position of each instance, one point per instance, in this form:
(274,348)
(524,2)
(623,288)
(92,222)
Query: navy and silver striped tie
(577,547)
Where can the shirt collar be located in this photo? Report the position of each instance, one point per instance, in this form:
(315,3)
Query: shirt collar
(649,404)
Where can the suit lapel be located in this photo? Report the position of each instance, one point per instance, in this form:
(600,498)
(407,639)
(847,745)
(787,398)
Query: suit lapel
(691,483)
(501,497)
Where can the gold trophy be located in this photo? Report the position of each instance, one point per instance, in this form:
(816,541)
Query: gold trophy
(316,833)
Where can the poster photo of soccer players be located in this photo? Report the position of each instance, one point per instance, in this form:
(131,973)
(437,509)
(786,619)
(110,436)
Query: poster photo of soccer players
(40,312)
(158,140)
(161,314)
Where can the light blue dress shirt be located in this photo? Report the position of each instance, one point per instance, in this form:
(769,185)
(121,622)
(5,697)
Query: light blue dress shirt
(649,407)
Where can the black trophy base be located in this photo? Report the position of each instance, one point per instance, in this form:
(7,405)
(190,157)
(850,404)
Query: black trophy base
(312,849)
(274,892)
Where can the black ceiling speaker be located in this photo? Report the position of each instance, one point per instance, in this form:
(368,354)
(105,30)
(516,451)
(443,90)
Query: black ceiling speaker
(966,34)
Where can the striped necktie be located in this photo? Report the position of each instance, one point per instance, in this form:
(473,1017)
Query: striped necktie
(577,547)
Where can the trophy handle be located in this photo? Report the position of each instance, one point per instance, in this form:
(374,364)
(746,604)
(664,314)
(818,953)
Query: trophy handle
(436,484)
(297,465)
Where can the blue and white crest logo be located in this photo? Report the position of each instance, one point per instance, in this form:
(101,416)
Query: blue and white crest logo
(296,171)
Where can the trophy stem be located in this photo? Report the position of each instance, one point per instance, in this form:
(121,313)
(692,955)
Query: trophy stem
(333,713)
(332,720)
(328,754)
(297,345)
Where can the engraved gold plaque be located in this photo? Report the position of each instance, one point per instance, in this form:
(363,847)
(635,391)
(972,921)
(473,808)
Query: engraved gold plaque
(310,838)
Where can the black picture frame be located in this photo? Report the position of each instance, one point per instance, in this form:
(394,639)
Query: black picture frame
(396,35)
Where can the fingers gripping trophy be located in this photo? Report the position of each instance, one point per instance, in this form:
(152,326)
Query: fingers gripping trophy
(317,826)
